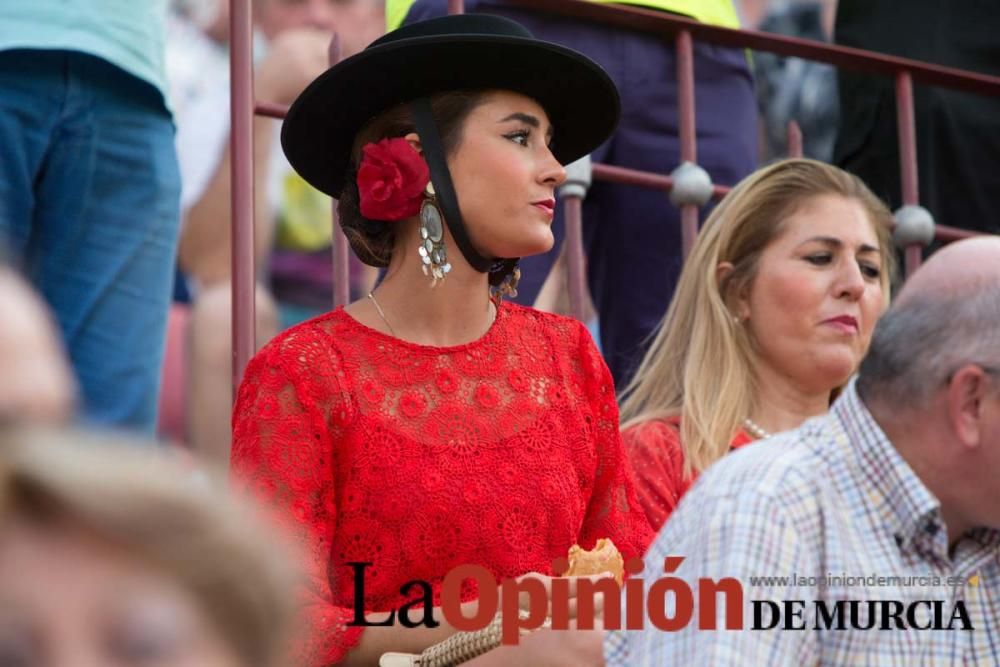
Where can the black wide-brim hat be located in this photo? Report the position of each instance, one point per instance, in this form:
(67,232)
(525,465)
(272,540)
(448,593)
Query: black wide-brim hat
(460,52)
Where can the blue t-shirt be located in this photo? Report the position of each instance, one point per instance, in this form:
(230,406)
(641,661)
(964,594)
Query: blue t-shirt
(127,33)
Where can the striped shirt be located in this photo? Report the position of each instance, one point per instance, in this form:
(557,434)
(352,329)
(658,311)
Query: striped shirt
(825,513)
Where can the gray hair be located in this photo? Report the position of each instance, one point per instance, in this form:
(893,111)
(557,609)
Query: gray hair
(921,340)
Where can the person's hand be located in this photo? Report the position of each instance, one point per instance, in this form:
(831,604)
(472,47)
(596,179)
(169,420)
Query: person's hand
(294,59)
(549,648)
(563,648)
(525,597)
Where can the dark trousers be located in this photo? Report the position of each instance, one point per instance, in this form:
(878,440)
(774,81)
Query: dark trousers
(631,234)
(958,133)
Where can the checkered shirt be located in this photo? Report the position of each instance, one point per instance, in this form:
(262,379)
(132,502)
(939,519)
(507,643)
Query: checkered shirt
(830,500)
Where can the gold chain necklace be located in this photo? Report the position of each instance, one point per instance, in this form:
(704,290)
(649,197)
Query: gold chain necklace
(381,313)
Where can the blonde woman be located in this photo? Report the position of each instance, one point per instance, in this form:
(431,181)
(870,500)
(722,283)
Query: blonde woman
(772,314)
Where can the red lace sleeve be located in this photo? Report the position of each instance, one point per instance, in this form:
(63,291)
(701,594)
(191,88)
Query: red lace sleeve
(283,451)
(613,510)
(657,460)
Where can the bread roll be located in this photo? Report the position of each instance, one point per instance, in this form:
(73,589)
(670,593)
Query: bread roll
(604,557)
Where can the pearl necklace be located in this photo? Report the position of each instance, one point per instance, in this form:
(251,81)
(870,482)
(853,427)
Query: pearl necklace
(755,430)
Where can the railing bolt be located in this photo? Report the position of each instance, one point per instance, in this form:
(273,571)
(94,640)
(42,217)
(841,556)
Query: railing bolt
(914,224)
(579,176)
(692,185)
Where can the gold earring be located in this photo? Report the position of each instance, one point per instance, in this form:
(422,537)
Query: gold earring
(507,287)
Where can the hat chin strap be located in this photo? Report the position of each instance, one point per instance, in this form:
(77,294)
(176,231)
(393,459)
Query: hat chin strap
(430,140)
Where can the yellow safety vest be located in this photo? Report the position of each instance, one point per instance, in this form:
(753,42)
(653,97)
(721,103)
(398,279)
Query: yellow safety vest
(714,12)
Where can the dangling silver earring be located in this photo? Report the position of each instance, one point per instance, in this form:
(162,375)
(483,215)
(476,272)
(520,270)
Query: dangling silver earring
(432,253)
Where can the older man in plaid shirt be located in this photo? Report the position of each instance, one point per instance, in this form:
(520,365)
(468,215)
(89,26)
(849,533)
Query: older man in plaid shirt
(868,536)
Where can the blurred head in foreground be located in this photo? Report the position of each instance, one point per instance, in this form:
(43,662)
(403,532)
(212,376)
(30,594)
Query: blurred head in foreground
(36,383)
(117,557)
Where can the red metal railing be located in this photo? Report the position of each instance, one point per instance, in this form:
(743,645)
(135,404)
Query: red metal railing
(907,155)
(683,31)
(242,187)
(689,135)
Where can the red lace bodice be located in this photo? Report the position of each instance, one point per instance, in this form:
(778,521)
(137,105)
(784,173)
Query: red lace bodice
(657,462)
(503,452)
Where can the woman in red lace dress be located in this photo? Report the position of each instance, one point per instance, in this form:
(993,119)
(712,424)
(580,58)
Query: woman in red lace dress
(773,312)
(430,425)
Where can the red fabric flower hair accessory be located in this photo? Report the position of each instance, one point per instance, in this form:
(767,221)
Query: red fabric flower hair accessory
(391,180)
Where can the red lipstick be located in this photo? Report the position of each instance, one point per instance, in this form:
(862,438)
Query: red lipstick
(846,323)
(546,205)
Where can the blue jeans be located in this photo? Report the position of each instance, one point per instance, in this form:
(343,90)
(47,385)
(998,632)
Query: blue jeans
(89,206)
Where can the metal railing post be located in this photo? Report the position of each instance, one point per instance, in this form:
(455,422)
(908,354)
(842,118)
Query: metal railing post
(794,134)
(912,230)
(339,246)
(572,192)
(688,132)
(242,190)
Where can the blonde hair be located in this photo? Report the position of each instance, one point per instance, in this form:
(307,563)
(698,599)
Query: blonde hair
(699,366)
(138,500)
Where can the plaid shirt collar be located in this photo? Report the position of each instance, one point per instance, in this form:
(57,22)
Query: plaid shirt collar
(908,508)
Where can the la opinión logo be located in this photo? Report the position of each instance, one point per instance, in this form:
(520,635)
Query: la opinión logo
(641,604)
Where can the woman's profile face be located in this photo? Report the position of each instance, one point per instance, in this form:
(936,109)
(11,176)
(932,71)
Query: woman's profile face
(69,599)
(817,294)
(506,176)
